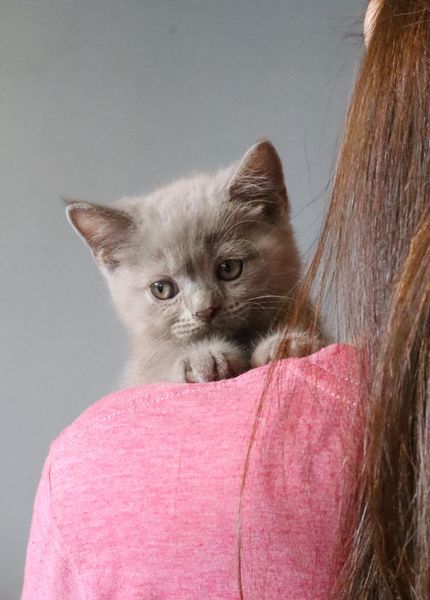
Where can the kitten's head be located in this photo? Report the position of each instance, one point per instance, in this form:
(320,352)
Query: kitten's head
(212,253)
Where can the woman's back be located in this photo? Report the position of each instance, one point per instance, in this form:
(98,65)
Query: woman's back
(141,493)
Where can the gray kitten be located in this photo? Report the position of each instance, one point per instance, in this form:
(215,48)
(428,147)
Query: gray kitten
(199,269)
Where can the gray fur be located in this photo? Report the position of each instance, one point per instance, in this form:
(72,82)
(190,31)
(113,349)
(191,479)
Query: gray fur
(183,231)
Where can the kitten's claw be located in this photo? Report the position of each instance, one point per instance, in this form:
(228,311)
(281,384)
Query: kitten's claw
(212,361)
(296,343)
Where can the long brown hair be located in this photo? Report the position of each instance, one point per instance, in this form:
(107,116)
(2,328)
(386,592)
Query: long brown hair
(373,262)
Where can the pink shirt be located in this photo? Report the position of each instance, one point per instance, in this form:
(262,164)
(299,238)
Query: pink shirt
(139,497)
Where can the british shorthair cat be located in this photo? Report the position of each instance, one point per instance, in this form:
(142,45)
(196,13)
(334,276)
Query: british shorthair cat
(199,270)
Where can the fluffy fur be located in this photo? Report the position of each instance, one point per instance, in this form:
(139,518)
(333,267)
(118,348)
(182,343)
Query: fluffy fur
(182,233)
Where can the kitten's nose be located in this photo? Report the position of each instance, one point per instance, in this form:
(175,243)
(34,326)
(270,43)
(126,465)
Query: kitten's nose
(207,313)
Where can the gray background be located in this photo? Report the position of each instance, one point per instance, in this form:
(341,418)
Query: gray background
(101,98)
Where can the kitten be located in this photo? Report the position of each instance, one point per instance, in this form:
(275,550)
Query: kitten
(199,269)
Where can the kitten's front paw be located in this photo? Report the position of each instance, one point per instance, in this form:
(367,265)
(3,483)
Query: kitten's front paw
(296,343)
(212,360)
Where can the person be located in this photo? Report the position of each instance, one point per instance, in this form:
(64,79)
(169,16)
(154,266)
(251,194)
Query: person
(307,478)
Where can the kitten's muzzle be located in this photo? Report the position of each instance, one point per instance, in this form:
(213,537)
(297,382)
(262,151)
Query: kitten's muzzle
(207,314)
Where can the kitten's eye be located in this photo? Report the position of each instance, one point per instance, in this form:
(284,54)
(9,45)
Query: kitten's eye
(229,269)
(164,289)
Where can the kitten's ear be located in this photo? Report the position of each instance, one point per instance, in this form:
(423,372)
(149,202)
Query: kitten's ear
(106,230)
(259,181)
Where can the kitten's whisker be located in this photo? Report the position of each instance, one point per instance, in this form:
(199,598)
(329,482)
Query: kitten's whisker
(265,306)
(260,306)
(265,300)
(267,296)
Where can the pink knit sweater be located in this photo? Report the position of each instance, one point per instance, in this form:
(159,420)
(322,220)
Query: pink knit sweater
(139,497)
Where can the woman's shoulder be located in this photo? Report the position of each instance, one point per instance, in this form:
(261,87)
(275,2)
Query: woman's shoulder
(335,368)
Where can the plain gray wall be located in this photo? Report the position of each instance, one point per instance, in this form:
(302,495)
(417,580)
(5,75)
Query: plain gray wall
(101,98)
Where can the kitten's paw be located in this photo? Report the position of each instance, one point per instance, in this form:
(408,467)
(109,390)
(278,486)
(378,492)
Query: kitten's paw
(296,343)
(212,360)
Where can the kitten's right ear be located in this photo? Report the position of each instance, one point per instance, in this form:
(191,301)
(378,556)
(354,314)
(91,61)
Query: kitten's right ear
(106,230)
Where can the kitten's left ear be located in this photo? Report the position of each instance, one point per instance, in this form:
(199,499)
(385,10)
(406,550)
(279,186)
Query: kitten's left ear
(105,230)
(259,182)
